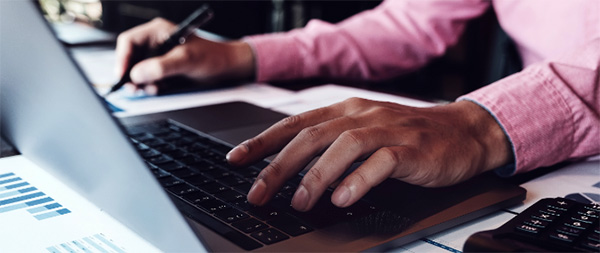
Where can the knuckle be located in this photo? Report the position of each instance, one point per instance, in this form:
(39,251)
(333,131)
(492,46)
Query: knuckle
(389,155)
(274,169)
(254,143)
(314,177)
(354,138)
(311,134)
(291,122)
(360,179)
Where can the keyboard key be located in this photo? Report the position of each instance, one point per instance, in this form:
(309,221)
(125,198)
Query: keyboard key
(196,197)
(160,160)
(591,245)
(528,229)
(213,187)
(243,188)
(184,173)
(198,180)
(217,173)
(230,196)
(213,205)
(269,236)
(264,212)
(243,205)
(181,189)
(170,166)
(289,225)
(242,240)
(562,237)
(231,180)
(169,181)
(231,215)
(249,225)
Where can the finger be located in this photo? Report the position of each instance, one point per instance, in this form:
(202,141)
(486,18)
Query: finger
(144,36)
(378,167)
(310,142)
(343,152)
(175,62)
(277,136)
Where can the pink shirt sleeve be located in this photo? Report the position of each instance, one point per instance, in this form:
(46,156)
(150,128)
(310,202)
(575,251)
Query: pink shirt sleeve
(550,110)
(395,37)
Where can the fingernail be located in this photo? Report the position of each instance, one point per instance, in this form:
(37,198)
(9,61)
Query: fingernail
(341,196)
(300,199)
(237,153)
(151,90)
(257,192)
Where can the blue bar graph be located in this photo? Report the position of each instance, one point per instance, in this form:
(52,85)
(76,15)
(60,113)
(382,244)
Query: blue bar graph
(8,187)
(52,214)
(14,179)
(44,208)
(24,205)
(7,175)
(15,194)
(91,244)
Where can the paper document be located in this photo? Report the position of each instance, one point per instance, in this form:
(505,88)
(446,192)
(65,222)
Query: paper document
(38,213)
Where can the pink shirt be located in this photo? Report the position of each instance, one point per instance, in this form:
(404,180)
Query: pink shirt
(550,110)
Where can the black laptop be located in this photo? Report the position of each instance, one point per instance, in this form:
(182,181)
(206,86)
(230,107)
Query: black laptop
(164,175)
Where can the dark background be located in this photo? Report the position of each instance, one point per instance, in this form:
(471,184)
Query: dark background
(483,54)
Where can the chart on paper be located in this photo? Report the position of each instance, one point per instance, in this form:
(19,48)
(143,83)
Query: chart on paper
(94,243)
(17,195)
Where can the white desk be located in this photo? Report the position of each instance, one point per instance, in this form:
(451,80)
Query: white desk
(582,178)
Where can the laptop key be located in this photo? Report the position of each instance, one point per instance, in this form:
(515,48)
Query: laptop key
(231,180)
(213,205)
(264,212)
(243,188)
(196,197)
(230,196)
(181,189)
(170,166)
(184,173)
(198,180)
(290,225)
(269,236)
(169,181)
(231,215)
(249,225)
(242,240)
(213,187)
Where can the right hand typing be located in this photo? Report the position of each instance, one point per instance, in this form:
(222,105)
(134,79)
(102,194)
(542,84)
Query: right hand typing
(204,61)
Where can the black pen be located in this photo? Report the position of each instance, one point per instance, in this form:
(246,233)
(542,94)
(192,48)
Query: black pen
(184,29)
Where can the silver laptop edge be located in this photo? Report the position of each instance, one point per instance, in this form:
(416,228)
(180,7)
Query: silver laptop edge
(54,82)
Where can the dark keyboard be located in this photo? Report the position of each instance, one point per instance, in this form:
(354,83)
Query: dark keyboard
(193,169)
(557,224)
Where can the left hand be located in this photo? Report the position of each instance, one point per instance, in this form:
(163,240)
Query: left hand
(432,147)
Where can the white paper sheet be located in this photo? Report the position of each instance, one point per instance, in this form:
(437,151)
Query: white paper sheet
(40,214)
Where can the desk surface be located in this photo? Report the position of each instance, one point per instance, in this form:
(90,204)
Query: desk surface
(578,178)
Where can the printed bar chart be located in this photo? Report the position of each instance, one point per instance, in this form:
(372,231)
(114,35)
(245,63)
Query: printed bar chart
(15,194)
(94,243)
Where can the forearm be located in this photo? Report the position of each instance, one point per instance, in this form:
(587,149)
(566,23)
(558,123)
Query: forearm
(550,111)
(395,37)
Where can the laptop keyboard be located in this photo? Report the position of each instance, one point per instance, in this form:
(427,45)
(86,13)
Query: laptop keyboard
(193,169)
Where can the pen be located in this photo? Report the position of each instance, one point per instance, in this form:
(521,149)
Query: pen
(184,29)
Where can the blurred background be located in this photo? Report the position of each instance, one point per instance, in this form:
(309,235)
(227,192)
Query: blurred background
(483,55)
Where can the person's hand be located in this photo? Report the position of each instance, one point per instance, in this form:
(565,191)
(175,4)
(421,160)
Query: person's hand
(202,60)
(432,147)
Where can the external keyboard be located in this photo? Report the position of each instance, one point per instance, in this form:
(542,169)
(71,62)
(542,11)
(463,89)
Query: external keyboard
(557,224)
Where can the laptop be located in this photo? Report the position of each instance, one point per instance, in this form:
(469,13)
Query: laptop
(164,176)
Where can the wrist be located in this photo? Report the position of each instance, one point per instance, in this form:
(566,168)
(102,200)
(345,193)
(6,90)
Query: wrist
(497,150)
(241,61)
